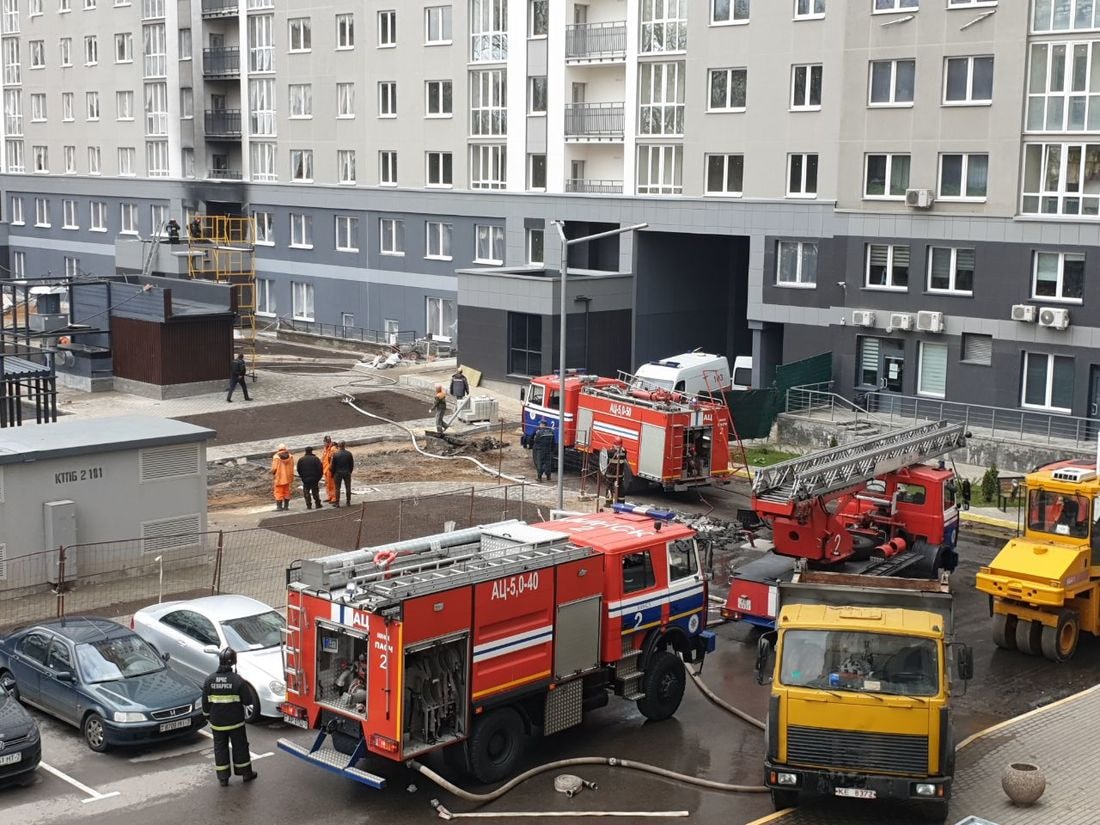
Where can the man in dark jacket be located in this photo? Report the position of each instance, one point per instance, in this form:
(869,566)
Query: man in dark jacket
(223,706)
(343,464)
(237,373)
(460,385)
(310,471)
(542,449)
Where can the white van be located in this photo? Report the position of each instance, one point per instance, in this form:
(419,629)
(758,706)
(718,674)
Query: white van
(742,372)
(691,373)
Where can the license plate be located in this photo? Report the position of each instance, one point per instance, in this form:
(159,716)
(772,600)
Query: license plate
(11,758)
(855,793)
(294,720)
(744,603)
(179,723)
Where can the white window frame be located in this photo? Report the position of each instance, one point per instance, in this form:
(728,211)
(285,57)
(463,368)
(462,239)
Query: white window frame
(666,96)
(964,182)
(531,233)
(91,50)
(391,237)
(1059,296)
(726,159)
(533,17)
(68,107)
(301,301)
(970,4)
(736,12)
(800,250)
(926,347)
(1048,393)
(13,155)
(387,29)
(263,161)
(666,33)
(387,167)
(894,6)
(441,87)
(970,99)
(95,161)
(345,167)
(91,104)
(808,70)
(345,31)
(345,101)
(488,27)
(301,230)
(888,182)
(124,47)
(892,252)
(1084,197)
(893,102)
(435,316)
(42,212)
(434,234)
(16,218)
(488,165)
(65,48)
(489,103)
(68,214)
(953,288)
(127,160)
(299,35)
(436,166)
(532,160)
(300,101)
(128,219)
(537,86)
(804,178)
(730,106)
(492,250)
(38,107)
(1071,19)
(37,50)
(809,9)
(437,23)
(387,99)
(265,228)
(124,105)
(347,233)
(265,297)
(301,165)
(668,166)
(41,159)
(97,216)
(18,264)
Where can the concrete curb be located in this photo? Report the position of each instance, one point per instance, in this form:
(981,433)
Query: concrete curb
(989,521)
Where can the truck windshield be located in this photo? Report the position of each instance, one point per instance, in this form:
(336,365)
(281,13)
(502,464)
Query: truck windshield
(860,662)
(1062,514)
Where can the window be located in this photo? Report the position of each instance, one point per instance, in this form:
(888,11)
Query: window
(187,162)
(809,9)
(1058,276)
(156,158)
(11,59)
(536,96)
(128,219)
(536,172)
(438,98)
(660,170)
(345,100)
(524,344)
(387,99)
(968,80)
(440,319)
(638,572)
(13,153)
(723,12)
(41,159)
(301,301)
(66,48)
(345,31)
(682,560)
(64,6)
(185,44)
(932,370)
(301,165)
(391,236)
(18,264)
(13,111)
(124,105)
(977,348)
(488,30)
(124,48)
(964,177)
(951,270)
(91,101)
(155,49)
(68,214)
(301,34)
(892,82)
(345,165)
(301,230)
(301,100)
(725,174)
(262,157)
(126,155)
(1061,179)
(488,102)
(796,264)
(265,296)
(187,103)
(98,216)
(91,50)
(387,168)
(1064,87)
(261,106)
(38,54)
(440,166)
(895,5)
(38,107)
(801,176)
(490,244)
(536,242)
(728,90)
(156,109)
(806,88)
(265,228)
(261,43)
(538,18)
(35,8)
(67,107)
(1047,381)
(488,166)
(887,267)
(16,210)
(347,233)
(437,25)
(387,29)
(661,96)
(437,240)
(664,26)
(1064,15)
(887,176)
(41,212)
(158,218)
(94,160)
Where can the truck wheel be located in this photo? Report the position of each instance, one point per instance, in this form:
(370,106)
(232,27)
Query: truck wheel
(1004,631)
(781,800)
(935,811)
(663,685)
(496,745)
(1029,636)
(1059,643)
(931,559)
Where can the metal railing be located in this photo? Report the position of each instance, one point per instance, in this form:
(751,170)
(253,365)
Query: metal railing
(225,174)
(403,337)
(592,186)
(221,62)
(820,400)
(587,41)
(219,8)
(223,123)
(594,119)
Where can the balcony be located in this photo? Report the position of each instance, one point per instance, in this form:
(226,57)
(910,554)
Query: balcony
(594,122)
(223,124)
(219,8)
(223,62)
(591,186)
(595,42)
(224,174)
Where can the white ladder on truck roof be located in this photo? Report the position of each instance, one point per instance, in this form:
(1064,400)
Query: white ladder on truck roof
(839,467)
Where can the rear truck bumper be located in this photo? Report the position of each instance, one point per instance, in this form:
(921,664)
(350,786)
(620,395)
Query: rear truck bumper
(330,759)
(29,755)
(816,782)
(140,733)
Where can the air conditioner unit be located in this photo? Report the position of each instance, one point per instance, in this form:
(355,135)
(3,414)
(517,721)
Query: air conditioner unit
(1024,312)
(1053,317)
(930,321)
(1074,475)
(43,322)
(901,320)
(863,318)
(919,198)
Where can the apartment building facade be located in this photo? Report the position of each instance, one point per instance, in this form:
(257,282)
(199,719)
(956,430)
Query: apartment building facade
(908,183)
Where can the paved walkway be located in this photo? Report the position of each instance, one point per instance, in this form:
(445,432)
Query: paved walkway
(1058,738)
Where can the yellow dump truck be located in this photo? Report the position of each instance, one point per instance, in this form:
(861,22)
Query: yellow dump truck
(1044,586)
(861,690)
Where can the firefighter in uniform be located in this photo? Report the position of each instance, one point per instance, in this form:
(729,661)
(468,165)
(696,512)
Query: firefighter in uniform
(616,472)
(223,707)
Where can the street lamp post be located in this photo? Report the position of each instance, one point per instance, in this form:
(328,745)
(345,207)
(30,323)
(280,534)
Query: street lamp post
(565,244)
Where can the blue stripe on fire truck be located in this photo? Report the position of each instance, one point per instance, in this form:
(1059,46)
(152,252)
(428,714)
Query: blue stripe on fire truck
(623,432)
(513,643)
(645,610)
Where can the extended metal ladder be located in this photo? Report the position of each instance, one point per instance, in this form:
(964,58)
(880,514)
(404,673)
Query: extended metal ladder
(292,647)
(840,467)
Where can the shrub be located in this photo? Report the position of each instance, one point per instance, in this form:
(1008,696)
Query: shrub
(989,486)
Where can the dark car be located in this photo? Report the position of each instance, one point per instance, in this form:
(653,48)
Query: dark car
(20,746)
(103,678)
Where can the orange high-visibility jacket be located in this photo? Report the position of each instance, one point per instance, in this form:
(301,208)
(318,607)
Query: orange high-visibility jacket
(282,468)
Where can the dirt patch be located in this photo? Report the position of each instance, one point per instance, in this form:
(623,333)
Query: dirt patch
(268,347)
(243,422)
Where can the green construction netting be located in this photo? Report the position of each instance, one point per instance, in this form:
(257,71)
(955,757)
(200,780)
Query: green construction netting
(754,411)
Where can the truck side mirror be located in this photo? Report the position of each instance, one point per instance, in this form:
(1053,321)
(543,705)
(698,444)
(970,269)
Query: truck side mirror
(964,663)
(765,658)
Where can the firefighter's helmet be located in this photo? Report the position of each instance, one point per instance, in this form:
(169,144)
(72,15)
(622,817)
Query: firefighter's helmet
(227,657)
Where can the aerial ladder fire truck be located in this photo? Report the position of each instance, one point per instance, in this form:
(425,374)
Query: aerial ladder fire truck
(870,507)
(472,640)
(670,439)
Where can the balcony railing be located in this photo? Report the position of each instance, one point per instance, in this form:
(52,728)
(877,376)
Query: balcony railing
(222,62)
(223,123)
(224,174)
(594,120)
(595,41)
(591,186)
(219,8)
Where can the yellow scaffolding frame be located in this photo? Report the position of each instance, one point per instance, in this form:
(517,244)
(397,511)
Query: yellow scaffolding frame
(222,248)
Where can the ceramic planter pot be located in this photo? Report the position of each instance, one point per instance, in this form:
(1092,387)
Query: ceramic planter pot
(1024,783)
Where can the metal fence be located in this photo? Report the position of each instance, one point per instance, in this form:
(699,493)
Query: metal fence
(590,41)
(115,578)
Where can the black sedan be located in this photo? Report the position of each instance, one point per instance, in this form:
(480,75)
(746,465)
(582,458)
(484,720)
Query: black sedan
(102,678)
(20,745)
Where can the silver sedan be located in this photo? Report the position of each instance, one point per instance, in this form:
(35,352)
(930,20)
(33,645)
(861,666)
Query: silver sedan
(194,631)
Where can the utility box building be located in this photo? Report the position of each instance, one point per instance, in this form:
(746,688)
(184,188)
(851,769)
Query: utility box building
(135,483)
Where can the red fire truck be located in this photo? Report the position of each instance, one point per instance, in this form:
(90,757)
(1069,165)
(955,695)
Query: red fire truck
(475,639)
(669,438)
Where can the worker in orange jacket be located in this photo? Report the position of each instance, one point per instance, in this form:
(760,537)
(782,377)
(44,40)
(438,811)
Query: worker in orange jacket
(326,468)
(282,471)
